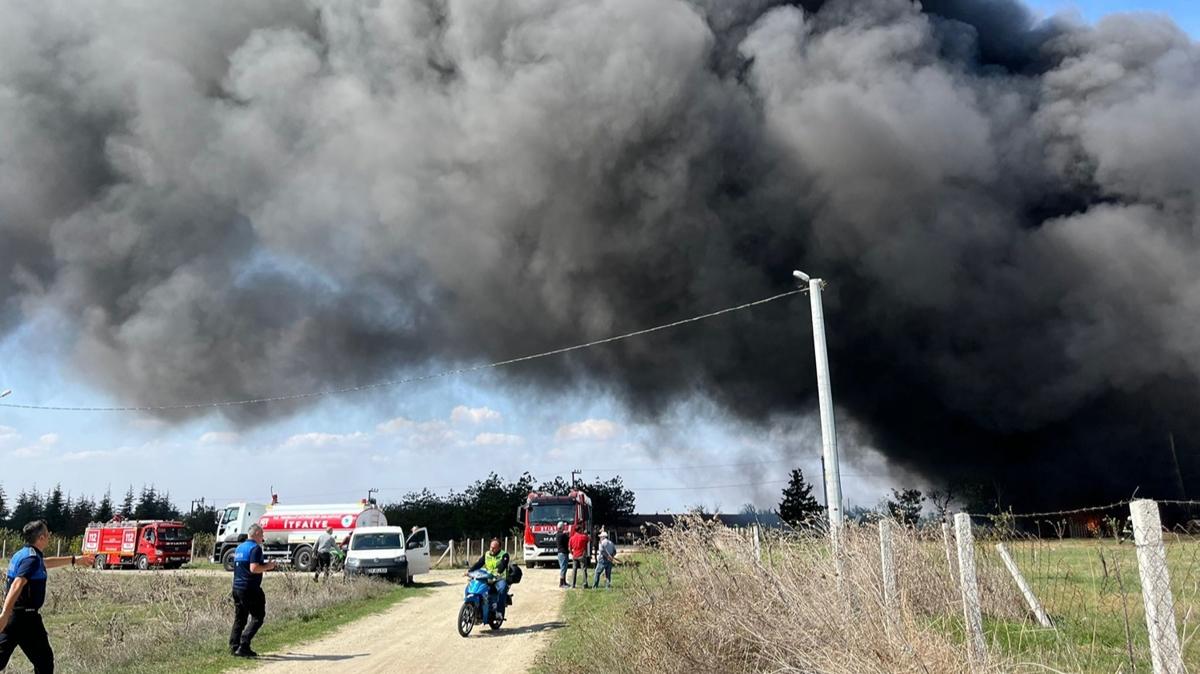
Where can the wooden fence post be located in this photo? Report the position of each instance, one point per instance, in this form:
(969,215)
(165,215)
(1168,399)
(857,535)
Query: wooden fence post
(1166,655)
(1026,591)
(972,616)
(887,559)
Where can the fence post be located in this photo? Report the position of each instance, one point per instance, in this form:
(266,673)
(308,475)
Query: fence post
(946,543)
(1026,591)
(887,561)
(192,556)
(1166,656)
(59,553)
(972,617)
(757,545)
(4,550)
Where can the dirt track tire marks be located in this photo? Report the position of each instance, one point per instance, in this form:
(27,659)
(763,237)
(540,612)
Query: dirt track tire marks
(421,635)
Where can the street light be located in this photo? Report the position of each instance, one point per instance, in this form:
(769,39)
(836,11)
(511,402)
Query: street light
(829,448)
(5,393)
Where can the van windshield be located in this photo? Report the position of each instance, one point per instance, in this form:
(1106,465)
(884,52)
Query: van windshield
(375,541)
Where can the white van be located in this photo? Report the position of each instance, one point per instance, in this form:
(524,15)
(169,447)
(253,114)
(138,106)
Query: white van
(386,552)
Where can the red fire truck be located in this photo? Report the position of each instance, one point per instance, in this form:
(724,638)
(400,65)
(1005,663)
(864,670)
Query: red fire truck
(539,517)
(141,544)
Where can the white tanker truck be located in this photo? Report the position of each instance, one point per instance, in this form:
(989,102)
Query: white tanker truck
(290,531)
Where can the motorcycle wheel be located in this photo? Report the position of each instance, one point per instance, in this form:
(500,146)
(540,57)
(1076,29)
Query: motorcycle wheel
(495,621)
(466,619)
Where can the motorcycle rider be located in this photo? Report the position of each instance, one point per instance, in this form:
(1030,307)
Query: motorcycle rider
(495,562)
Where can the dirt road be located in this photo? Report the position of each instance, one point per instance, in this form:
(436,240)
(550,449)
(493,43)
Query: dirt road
(420,634)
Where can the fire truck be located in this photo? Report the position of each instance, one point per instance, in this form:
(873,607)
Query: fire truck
(290,531)
(142,544)
(539,517)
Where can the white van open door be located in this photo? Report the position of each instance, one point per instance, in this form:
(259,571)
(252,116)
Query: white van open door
(417,551)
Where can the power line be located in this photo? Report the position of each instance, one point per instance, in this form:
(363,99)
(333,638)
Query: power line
(406,380)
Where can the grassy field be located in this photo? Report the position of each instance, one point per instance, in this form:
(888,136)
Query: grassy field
(1092,592)
(1089,588)
(172,623)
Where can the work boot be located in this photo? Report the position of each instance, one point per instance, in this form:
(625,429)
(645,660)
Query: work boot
(245,652)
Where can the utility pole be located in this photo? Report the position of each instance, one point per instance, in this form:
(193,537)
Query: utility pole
(372,490)
(573,474)
(829,448)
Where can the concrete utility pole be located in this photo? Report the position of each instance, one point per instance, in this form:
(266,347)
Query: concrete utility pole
(829,449)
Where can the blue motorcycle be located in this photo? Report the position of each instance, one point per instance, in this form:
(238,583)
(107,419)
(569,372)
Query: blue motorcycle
(480,603)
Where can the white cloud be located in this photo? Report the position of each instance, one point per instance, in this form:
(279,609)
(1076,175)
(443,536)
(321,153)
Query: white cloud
(597,430)
(219,438)
(8,435)
(473,415)
(325,440)
(41,447)
(499,439)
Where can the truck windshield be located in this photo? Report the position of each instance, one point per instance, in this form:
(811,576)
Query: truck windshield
(172,534)
(231,514)
(552,513)
(375,541)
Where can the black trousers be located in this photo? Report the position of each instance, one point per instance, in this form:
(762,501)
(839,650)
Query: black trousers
(323,559)
(577,564)
(27,631)
(252,604)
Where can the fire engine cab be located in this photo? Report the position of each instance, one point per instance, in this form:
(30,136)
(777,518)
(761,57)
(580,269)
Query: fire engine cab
(539,517)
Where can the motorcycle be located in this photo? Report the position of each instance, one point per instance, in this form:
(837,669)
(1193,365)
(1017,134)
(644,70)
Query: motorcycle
(480,600)
(337,559)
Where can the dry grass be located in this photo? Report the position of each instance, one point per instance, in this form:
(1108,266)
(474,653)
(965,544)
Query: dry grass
(707,603)
(161,621)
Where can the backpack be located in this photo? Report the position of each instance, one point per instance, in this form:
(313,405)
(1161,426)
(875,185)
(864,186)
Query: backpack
(514,574)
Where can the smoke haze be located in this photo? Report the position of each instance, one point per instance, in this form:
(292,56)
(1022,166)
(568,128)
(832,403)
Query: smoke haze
(226,200)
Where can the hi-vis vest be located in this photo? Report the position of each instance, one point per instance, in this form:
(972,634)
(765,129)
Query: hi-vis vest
(492,562)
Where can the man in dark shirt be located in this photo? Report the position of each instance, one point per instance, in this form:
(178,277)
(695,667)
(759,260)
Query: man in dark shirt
(20,622)
(564,553)
(248,598)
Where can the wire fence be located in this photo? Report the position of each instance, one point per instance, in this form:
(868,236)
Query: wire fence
(982,594)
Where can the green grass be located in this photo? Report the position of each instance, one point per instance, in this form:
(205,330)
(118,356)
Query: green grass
(584,612)
(1092,592)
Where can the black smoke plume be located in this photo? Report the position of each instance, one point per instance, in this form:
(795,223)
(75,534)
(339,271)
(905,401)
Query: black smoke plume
(226,199)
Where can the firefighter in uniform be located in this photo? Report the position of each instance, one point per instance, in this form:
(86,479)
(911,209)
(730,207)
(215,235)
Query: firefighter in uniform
(25,592)
(495,562)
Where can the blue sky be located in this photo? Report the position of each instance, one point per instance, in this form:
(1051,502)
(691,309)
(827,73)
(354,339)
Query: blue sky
(439,435)
(1184,12)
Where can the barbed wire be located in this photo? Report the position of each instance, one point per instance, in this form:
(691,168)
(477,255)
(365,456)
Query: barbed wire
(1075,511)
(406,380)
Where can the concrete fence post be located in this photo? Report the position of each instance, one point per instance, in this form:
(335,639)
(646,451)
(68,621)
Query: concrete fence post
(887,562)
(972,615)
(59,553)
(1166,655)
(4,550)
(1026,591)
(948,544)
(757,545)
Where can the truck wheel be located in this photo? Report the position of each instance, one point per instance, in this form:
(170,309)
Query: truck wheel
(227,560)
(99,562)
(142,563)
(303,558)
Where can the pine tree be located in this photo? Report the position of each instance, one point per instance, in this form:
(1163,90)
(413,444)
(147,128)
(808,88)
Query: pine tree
(55,510)
(27,509)
(127,504)
(905,506)
(81,511)
(104,511)
(3,509)
(798,506)
(146,504)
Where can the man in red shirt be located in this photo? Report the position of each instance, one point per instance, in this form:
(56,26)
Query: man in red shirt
(579,552)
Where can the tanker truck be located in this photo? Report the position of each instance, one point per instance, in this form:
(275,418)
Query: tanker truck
(290,531)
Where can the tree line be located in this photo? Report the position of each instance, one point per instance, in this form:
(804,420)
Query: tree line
(69,515)
(488,507)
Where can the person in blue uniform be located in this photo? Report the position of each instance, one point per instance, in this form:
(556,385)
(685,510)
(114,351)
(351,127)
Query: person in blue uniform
(25,592)
(248,598)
